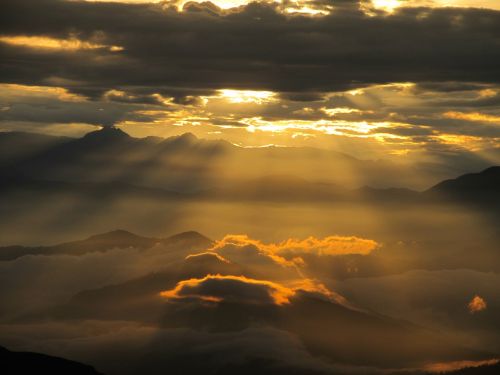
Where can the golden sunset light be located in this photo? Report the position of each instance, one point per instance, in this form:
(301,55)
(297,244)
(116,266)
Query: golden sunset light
(270,187)
(54,43)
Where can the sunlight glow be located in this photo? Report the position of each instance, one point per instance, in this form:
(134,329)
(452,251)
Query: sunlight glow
(339,110)
(336,127)
(387,5)
(308,7)
(247,96)
(42,42)
(11,91)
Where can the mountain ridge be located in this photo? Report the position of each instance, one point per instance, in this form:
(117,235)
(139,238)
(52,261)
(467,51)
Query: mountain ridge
(102,242)
(109,154)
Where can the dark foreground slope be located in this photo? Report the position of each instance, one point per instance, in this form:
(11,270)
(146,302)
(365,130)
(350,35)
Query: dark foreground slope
(28,363)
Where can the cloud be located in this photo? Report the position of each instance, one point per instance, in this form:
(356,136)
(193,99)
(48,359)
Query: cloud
(36,283)
(434,299)
(253,68)
(231,288)
(125,348)
(233,313)
(291,259)
(241,289)
(331,245)
(477,304)
(241,248)
(254,47)
(474,116)
(206,256)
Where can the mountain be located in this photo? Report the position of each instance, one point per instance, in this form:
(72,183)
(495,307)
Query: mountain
(15,146)
(485,181)
(326,328)
(187,163)
(104,242)
(477,187)
(35,363)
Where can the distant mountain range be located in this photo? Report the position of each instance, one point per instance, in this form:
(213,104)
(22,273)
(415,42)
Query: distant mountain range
(116,239)
(187,164)
(485,183)
(481,188)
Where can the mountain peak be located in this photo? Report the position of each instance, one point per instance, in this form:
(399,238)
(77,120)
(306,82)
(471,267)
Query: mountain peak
(107,133)
(182,139)
(190,236)
(118,234)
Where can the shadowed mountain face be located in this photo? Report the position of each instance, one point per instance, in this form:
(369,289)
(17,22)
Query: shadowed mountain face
(483,186)
(35,363)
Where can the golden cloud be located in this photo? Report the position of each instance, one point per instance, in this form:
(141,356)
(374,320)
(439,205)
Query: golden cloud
(218,288)
(477,304)
(43,42)
(331,245)
(207,254)
(472,116)
(242,241)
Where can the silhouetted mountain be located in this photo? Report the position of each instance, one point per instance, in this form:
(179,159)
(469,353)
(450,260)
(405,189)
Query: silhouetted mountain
(479,187)
(485,181)
(476,187)
(15,146)
(103,242)
(138,299)
(188,237)
(188,163)
(106,134)
(326,329)
(14,363)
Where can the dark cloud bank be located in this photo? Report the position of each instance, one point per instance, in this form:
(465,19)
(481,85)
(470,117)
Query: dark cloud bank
(254,47)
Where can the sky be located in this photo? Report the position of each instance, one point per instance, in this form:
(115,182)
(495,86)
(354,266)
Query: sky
(381,78)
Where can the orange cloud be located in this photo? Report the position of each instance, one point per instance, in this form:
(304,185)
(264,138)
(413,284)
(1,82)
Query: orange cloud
(207,254)
(477,304)
(251,247)
(331,245)
(457,365)
(43,42)
(218,288)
